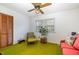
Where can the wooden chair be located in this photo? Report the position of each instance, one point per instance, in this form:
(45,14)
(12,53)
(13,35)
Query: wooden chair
(31,38)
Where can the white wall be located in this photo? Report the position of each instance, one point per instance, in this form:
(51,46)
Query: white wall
(21,23)
(31,25)
(65,22)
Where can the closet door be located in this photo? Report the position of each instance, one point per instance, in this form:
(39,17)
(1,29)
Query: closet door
(10,29)
(4,34)
(0,28)
(6,30)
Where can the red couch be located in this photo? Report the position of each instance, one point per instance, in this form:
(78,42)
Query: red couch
(70,50)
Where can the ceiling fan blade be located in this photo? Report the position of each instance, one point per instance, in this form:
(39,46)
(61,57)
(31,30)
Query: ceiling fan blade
(41,11)
(36,4)
(31,10)
(44,5)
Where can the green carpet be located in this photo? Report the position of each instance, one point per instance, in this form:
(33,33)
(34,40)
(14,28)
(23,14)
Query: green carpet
(32,49)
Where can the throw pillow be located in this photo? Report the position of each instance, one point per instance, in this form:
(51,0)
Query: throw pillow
(69,41)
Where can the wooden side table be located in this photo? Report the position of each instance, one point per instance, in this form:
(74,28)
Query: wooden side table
(43,40)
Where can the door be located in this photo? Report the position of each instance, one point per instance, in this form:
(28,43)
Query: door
(4,34)
(6,30)
(10,29)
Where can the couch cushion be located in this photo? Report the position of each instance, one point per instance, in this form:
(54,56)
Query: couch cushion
(76,42)
(67,51)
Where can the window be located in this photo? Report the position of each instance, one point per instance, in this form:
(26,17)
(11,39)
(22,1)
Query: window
(49,23)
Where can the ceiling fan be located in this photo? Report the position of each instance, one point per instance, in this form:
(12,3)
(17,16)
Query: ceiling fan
(38,6)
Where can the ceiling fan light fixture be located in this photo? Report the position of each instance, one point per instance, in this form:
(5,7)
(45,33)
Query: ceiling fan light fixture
(37,11)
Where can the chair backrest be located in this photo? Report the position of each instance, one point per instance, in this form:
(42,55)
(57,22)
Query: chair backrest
(76,42)
(30,35)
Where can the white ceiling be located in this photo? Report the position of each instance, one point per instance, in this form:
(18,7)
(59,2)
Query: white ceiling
(23,8)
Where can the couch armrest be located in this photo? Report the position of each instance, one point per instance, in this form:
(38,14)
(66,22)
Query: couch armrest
(65,45)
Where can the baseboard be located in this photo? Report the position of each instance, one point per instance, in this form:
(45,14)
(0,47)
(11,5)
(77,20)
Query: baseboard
(53,43)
